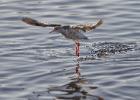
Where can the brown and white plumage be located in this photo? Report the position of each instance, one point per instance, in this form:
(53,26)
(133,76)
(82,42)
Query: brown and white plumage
(71,32)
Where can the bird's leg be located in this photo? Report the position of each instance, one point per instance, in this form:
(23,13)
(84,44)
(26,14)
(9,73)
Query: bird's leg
(77,48)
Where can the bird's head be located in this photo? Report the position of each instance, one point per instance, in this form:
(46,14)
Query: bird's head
(57,29)
(60,29)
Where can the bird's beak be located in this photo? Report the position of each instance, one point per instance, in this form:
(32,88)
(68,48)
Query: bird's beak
(51,31)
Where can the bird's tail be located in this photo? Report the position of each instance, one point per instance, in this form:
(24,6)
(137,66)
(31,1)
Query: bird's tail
(34,22)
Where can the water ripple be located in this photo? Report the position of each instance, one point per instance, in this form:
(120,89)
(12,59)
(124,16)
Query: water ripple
(36,65)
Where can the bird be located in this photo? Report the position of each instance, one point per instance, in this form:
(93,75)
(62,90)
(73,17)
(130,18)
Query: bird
(74,32)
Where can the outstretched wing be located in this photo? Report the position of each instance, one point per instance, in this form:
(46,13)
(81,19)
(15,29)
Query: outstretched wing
(88,27)
(34,22)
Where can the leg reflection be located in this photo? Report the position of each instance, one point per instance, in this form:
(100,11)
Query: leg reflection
(77,70)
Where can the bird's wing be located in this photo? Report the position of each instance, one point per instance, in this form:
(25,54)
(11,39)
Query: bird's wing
(88,27)
(34,22)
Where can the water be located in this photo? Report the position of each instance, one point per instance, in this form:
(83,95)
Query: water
(36,65)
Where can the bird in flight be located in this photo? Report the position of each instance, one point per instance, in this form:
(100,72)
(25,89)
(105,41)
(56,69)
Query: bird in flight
(74,32)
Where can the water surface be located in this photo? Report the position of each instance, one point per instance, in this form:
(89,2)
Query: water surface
(36,65)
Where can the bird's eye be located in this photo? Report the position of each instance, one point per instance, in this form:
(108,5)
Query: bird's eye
(55,28)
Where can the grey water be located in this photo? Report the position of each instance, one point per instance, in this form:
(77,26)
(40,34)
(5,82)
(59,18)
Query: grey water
(38,65)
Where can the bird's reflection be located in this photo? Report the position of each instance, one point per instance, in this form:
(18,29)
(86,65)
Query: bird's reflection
(77,88)
(74,90)
(77,70)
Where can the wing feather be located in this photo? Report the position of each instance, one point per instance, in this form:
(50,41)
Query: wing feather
(34,22)
(88,27)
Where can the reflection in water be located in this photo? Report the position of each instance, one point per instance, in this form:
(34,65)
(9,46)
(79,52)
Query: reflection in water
(77,70)
(78,88)
(75,90)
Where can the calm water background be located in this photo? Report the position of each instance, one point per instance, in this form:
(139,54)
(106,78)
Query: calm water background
(36,65)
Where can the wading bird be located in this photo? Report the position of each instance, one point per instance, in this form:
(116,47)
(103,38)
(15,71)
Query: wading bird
(71,32)
(74,32)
